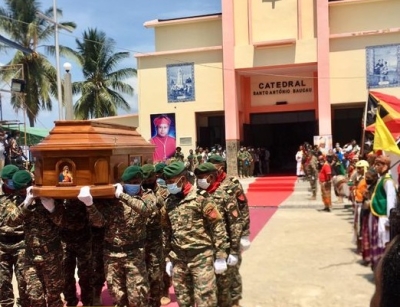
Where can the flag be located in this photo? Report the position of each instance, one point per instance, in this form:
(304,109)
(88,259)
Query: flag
(384,139)
(389,111)
(388,108)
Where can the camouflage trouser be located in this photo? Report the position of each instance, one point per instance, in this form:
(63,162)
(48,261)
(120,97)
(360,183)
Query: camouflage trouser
(224,286)
(12,260)
(236,284)
(313,185)
(245,213)
(78,255)
(155,268)
(127,279)
(246,170)
(240,169)
(194,280)
(44,279)
(166,282)
(251,172)
(98,275)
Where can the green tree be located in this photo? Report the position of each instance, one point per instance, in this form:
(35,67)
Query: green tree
(101,91)
(19,21)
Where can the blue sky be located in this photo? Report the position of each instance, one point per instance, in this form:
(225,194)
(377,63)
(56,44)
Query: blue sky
(121,20)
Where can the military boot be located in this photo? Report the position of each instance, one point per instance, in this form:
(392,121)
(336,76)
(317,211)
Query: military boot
(97,297)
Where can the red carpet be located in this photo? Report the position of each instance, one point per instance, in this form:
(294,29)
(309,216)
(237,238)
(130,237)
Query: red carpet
(270,191)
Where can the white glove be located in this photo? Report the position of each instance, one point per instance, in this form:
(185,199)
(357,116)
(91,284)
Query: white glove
(29,198)
(232,260)
(85,196)
(168,268)
(220,266)
(244,243)
(48,203)
(118,190)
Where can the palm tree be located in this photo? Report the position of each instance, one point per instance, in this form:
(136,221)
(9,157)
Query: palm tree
(101,91)
(19,21)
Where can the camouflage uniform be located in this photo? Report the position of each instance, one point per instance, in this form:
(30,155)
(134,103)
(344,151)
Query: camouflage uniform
(43,254)
(12,255)
(99,276)
(162,194)
(76,237)
(227,205)
(191,248)
(192,162)
(241,156)
(233,186)
(154,248)
(312,173)
(124,254)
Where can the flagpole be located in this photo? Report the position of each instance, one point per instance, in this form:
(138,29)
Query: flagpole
(364,123)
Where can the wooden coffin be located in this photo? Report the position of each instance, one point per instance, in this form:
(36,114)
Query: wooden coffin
(82,152)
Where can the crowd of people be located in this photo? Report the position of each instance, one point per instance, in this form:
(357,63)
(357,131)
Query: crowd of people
(161,228)
(366,182)
(251,162)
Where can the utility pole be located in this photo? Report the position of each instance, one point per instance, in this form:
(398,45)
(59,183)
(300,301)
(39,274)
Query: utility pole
(56,26)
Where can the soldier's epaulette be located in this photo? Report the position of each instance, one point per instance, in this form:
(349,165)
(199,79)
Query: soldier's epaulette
(203,193)
(234,179)
(230,192)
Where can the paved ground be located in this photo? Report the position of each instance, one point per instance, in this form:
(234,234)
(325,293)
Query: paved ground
(304,257)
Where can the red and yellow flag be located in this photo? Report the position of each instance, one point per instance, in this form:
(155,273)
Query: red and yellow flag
(384,139)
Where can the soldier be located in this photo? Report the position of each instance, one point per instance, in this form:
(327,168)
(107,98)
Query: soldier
(12,244)
(191,160)
(154,241)
(252,159)
(125,236)
(75,232)
(241,158)
(233,185)
(227,205)
(196,234)
(43,254)
(179,156)
(312,173)
(162,192)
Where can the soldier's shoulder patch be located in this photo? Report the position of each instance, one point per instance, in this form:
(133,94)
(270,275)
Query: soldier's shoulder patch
(211,212)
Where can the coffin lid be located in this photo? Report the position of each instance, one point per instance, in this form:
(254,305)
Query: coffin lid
(90,135)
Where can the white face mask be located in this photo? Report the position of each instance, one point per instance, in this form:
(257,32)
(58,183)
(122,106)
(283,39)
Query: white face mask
(203,184)
(173,188)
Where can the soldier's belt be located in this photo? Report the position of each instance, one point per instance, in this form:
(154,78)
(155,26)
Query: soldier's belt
(11,239)
(188,253)
(124,248)
(44,249)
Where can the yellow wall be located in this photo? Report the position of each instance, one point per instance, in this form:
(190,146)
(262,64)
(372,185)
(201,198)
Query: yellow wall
(274,20)
(369,16)
(348,55)
(153,99)
(260,21)
(189,35)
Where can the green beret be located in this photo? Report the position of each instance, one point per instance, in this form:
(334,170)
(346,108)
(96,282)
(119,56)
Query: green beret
(8,171)
(131,172)
(160,167)
(205,168)
(174,169)
(216,159)
(148,170)
(21,179)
